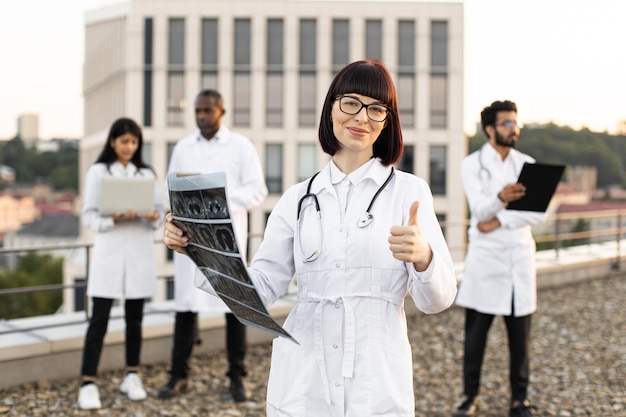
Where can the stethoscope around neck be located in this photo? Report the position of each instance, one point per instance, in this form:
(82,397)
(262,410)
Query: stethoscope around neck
(363,221)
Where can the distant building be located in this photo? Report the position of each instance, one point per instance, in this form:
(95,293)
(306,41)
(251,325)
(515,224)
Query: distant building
(51,229)
(273,61)
(582,178)
(15,211)
(7,174)
(28,127)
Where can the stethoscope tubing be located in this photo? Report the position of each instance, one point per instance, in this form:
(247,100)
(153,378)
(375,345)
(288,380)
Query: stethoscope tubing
(364,221)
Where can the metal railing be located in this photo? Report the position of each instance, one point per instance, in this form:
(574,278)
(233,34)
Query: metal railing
(568,229)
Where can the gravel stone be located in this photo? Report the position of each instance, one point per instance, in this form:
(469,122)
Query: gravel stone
(578,368)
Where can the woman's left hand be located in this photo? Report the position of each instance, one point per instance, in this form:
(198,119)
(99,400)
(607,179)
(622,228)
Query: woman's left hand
(173,237)
(407,243)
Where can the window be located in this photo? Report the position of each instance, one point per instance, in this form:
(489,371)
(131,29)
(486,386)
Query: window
(170,149)
(306,161)
(169,288)
(341,44)
(176,73)
(438,168)
(242,99)
(406,72)
(438,101)
(242,83)
(439,75)
(406,162)
(146,152)
(147,71)
(274,168)
(275,76)
(80,292)
(308,68)
(406,99)
(209,54)
(307,113)
(373,39)
(442,218)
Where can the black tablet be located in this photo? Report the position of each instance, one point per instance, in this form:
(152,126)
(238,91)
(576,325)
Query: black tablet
(540,181)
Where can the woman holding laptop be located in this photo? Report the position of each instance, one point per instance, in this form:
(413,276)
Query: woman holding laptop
(122,264)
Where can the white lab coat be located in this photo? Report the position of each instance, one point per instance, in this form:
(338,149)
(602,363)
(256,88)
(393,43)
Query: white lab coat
(354,357)
(499,265)
(235,155)
(122,264)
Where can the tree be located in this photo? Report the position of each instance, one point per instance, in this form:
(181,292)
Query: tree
(32,269)
(64,178)
(562,145)
(59,168)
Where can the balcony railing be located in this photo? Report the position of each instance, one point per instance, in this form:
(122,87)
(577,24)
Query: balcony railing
(559,231)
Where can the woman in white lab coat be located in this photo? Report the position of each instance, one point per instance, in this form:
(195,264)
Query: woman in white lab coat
(353,269)
(122,265)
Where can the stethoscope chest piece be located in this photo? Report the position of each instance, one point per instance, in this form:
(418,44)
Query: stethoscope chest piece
(365,220)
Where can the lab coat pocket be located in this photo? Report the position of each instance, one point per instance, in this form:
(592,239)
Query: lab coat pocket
(288,374)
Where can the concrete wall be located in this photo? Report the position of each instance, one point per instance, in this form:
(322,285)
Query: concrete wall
(50,347)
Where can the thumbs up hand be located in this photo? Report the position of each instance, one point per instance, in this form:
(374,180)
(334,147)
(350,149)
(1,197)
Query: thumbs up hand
(407,243)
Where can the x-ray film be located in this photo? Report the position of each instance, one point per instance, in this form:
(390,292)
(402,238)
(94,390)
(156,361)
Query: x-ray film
(200,210)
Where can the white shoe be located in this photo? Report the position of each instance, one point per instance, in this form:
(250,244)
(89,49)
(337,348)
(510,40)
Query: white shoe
(132,387)
(89,397)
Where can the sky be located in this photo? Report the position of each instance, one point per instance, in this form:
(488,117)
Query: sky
(561,61)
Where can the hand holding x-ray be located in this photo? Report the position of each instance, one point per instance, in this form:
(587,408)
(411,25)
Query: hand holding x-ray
(173,236)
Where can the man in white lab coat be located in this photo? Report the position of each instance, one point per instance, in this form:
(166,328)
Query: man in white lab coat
(213,148)
(500,272)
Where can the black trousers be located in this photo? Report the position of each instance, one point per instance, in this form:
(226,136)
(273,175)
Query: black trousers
(92,349)
(477,327)
(185,326)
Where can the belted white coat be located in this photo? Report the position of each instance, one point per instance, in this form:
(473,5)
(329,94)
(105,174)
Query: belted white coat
(122,264)
(499,265)
(353,357)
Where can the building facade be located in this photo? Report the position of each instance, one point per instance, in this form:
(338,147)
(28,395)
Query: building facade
(273,62)
(28,127)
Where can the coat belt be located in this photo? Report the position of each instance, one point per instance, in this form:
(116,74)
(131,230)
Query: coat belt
(349,334)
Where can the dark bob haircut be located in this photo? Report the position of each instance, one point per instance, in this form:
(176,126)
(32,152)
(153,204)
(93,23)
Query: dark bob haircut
(369,78)
(488,114)
(118,128)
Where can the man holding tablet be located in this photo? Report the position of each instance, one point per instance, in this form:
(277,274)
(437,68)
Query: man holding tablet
(500,272)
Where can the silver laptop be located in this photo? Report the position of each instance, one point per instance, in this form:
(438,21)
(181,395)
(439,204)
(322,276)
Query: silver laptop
(119,194)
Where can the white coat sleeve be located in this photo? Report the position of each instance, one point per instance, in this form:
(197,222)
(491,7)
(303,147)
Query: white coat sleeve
(434,289)
(512,219)
(90,215)
(483,204)
(272,267)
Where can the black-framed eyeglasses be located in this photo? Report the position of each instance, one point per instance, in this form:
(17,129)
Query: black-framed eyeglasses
(351,105)
(510,124)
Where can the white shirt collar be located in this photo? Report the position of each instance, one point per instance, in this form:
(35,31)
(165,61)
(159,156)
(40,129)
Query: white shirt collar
(336,176)
(220,136)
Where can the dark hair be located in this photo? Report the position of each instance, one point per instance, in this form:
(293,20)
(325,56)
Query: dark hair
(489,113)
(118,128)
(369,78)
(214,94)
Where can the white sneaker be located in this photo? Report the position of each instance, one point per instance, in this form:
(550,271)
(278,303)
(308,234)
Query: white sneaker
(89,397)
(132,387)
